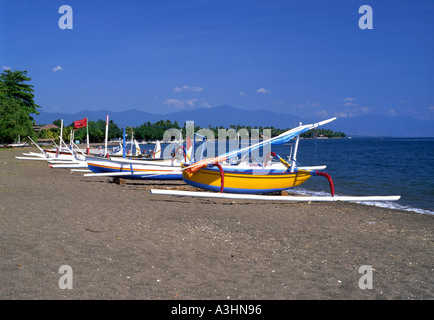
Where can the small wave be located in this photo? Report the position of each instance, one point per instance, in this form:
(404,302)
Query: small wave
(382,204)
(396,206)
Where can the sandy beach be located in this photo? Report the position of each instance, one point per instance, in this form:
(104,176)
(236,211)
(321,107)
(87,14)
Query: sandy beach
(121,242)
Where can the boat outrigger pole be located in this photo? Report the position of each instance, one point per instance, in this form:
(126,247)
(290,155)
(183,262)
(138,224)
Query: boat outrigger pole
(220,195)
(37,146)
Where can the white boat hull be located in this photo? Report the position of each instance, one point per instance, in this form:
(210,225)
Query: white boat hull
(134,169)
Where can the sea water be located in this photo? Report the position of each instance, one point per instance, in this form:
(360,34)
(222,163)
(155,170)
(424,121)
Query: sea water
(367,167)
(372,167)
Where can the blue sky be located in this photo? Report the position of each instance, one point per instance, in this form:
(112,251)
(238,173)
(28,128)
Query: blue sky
(307,58)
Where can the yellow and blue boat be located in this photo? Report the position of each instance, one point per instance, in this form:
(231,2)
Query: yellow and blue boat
(245,181)
(212,175)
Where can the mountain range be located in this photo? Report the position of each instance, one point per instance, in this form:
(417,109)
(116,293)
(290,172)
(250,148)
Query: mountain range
(367,125)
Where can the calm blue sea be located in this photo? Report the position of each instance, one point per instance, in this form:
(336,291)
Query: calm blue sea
(370,167)
(373,166)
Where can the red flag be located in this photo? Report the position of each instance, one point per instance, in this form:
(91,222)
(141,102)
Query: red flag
(80,123)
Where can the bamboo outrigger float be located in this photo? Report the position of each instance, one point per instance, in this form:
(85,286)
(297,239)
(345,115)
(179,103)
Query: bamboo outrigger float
(220,195)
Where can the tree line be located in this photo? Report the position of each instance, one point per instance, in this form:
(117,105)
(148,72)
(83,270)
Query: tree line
(155,131)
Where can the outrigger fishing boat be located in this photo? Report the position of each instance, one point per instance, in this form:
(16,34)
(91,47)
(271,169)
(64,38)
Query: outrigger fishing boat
(237,181)
(155,168)
(216,175)
(60,154)
(72,157)
(134,169)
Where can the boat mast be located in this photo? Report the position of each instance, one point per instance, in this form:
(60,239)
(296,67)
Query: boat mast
(124,144)
(131,143)
(294,156)
(87,137)
(106,136)
(61,134)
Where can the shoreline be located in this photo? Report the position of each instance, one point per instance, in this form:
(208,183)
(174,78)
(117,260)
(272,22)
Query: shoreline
(393,205)
(124,243)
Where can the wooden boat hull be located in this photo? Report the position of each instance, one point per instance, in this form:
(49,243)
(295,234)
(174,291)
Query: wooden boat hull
(252,182)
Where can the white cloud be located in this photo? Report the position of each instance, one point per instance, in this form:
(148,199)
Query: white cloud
(243,93)
(190,102)
(431,108)
(341,114)
(306,105)
(57,68)
(205,103)
(348,102)
(352,112)
(180,104)
(392,112)
(188,89)
(321,113)
(365,109)
(6,68)
(263,90)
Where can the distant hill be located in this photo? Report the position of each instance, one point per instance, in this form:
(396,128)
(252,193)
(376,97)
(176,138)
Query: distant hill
(368,125)
(218,116)
(384,126)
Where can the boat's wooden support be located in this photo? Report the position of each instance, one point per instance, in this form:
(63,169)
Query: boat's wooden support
(329,178)
(222,177)
(120,181)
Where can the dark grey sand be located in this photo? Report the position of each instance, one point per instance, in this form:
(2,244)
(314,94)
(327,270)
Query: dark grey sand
(123,243)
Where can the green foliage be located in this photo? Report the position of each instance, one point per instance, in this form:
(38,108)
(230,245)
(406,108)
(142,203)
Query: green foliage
(96,131)
(49,134)
(16,88)
(323,133)
(155,131)
(57,122)
(16,106)
(148,131)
